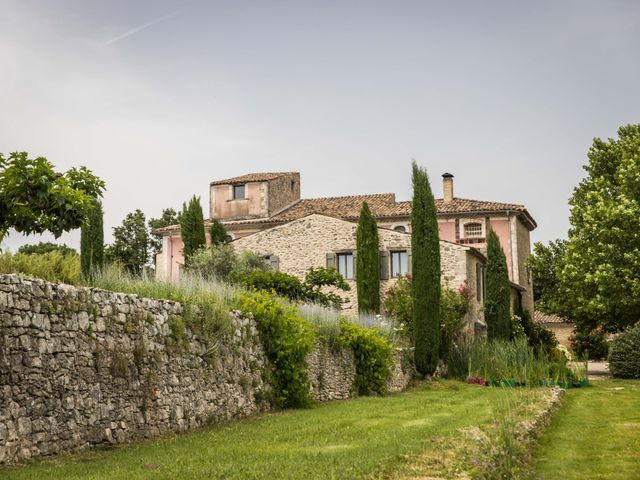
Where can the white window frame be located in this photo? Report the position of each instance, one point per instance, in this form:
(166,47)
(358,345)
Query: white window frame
(392,273)
(340,255)
(463,233)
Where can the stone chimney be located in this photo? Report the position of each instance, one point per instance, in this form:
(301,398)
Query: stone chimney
(447,187)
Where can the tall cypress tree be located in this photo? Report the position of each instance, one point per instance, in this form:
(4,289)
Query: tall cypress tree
(192,228)
(497,312)
(218,233)
(92,241)
(425,246)
(367,262)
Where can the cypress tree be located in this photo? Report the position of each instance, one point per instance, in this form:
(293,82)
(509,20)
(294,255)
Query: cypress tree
(425,246)
(192,228)
(367,262)
(497,312)
(219,235)
(92,241)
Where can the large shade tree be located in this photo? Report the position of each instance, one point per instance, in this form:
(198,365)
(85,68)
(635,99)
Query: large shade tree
(426,289)
(367,262)
(130,247)
(36,199)
(602,263)
(497,303)
(546,264)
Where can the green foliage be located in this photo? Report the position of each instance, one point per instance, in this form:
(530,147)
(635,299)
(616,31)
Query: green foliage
(130,246)
(497,303)
(546,264)
(398,305)
(454,305)
(287,339)
(192,228)
(218,233)
(624,360)
(590,344)
(367,262)
(168,217)
(279,283)
(318,278)
(425,245)
(541,339)
(373,355)
(45,247)
(35,199)
(52,266)
(92,241)
(221,262)
(601,274)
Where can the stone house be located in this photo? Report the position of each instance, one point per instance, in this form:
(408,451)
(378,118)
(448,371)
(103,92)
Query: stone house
(323,241)
(259,201)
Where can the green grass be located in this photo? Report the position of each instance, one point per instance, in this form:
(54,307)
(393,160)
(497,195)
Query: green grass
(368,436)
(595,435)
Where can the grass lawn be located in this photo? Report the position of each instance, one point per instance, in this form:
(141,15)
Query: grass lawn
(351,439)
(595,434)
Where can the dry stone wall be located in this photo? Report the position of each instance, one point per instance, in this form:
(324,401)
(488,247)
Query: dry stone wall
(81,367)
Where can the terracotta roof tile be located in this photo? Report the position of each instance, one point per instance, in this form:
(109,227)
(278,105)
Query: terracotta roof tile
(341,207)
(252,177)
(547,318)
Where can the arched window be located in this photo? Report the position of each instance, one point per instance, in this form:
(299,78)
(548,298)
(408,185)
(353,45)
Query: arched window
(400,228)
(473,230)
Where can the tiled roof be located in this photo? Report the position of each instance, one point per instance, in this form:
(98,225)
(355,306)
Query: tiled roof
(252,177)
(546,318)
(382,205)
(340,207)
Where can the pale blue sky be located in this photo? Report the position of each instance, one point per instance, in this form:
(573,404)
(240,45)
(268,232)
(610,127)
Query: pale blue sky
(161,97)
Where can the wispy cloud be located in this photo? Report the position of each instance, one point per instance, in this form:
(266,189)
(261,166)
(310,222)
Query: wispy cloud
(139,28)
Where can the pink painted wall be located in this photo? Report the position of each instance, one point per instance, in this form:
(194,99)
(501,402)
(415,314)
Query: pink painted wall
(447,230)
(223,206)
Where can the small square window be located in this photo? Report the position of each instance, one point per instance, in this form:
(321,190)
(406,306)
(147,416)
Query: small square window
(473,230)
(345,265)
(238,192)
(399,263)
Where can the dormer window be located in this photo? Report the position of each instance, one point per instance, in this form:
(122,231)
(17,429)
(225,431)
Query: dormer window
(473,230)
(238,192)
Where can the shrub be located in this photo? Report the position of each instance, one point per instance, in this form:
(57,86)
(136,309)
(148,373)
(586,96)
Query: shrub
(279,283)
(45,247)
(373,355)
(624,359)
(454,305)
(287,339)
(220,262)
(52,266)
(218,233)
(398,305)
(541,339)
(589,344)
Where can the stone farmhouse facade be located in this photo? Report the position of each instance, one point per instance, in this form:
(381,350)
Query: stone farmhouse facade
(257,202)
(321,241)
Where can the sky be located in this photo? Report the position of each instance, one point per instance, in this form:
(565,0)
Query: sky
(161,97)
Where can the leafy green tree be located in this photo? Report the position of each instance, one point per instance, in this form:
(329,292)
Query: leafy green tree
(168,218)
(497,303)
(367,262)
(192,228)
(92,241)
(426,289)
(546,263)
(36,199)
(218,233)
(602,265)
(41,248)
(130,247)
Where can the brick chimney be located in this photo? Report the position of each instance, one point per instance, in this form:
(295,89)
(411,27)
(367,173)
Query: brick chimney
(447,187)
